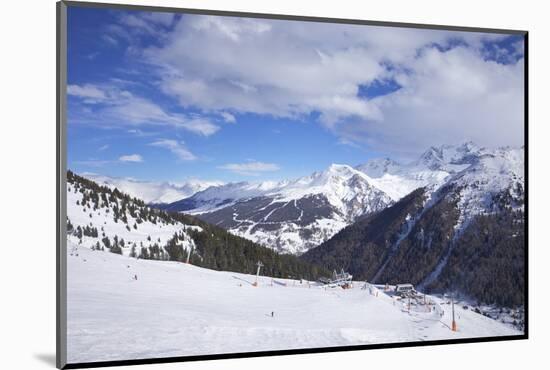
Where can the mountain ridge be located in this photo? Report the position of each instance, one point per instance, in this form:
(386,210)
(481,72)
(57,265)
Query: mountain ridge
(274,213)
(290,216)
(154,192)
(376,184)
(466,235)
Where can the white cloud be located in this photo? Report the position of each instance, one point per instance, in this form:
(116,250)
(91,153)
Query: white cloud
(447,97)
(177,148)
(135,158)
(112,105)
(232,69)
(224,66)
(293,69)
(344,141)
(252,168)
(92,56)
(200,126)
(132,26)
(91,93)
(103,147)
(110,40)
(164,19)
(138,23)
(140,133)
(228,117)
(306,66)
(94,162)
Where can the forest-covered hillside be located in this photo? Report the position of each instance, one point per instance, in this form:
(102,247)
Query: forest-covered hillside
(106,219)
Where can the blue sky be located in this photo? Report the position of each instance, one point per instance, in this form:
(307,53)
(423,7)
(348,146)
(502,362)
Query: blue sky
(165,97)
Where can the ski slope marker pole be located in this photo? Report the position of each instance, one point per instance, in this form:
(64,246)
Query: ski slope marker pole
(453,325)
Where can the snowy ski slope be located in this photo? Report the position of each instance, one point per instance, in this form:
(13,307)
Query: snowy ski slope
(174,309)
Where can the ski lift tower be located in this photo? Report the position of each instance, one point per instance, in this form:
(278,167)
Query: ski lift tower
(189,255)
(260,265)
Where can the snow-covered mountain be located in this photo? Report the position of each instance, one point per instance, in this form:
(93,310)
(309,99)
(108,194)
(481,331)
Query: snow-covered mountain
(435,166)
(289,216)
(220,196)
(493,181)
(150,191)
(477,175)
(296,215)
(465,233)
(378,167)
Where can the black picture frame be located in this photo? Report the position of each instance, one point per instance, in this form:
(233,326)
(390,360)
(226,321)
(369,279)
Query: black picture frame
(61,185)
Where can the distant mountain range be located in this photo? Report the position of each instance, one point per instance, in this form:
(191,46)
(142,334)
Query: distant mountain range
(296,215)
(151,191)
(289,216)
(453,219)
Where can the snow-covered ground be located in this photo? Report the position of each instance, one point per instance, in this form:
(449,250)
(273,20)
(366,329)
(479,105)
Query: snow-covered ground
(174,309)
(145,234)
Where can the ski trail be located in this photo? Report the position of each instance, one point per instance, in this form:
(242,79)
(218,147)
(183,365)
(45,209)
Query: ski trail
(301,211)
(441,264)
(271,212)
(432,199)
(409,225)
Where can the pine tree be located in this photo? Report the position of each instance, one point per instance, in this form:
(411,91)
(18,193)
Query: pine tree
(70,228)
(106,242)
(143,253)
(79,232)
